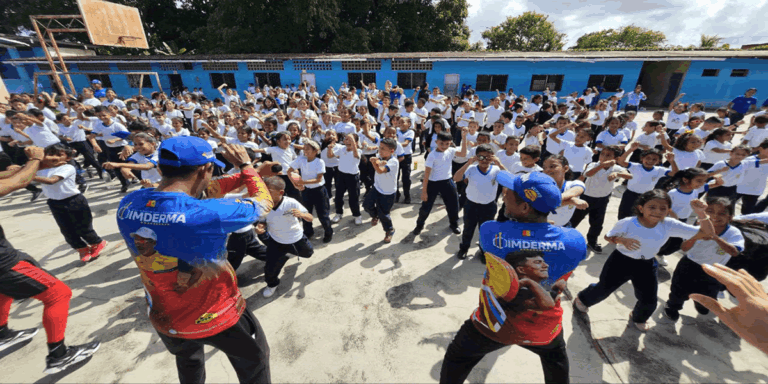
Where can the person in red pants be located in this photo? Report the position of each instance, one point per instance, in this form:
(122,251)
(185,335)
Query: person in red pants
(21,277)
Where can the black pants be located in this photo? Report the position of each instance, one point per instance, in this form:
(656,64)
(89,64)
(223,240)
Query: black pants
(84,148)
(404,172)
(628,108)
(475,215)
(723,191)
(690,278)
(461,188)
(447,190)
(241,244)
(619,269)
(627,203)
(113,156)
(277,257)
(244,344)
(366,172)
(330,176)
(317,199)
(748,203)
(290,189)
(103,156)
(469,346)
(75,221)
(349,183)
(6,161)
(379,205)
(597,208)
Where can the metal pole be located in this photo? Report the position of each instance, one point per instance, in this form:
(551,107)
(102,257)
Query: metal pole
(141,83)
(61,61)
(159,86)
(48,57)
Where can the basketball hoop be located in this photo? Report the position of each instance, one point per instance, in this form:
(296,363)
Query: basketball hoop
(121,39)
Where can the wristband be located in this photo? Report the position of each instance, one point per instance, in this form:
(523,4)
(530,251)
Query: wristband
(244,165)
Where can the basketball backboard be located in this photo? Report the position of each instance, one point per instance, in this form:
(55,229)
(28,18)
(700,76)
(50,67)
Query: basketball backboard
(113,24)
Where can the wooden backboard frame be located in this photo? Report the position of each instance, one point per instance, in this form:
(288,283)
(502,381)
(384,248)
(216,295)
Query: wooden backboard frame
(113,24)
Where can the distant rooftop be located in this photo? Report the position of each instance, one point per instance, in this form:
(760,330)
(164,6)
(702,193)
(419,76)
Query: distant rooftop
(32,41)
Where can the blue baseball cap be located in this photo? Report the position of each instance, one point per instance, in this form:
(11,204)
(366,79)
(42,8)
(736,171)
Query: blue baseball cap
(190,150)
(95,81)
(536,188)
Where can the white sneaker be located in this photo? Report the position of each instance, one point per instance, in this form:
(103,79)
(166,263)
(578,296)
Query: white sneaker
(358,220)
(269,291)
(721,295)
(579,305)
(663,261)
(107,176)
(336,218)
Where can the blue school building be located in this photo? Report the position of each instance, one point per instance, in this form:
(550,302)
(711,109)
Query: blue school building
(711,77)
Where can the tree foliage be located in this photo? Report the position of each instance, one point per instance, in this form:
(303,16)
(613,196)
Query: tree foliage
(710,41)
(629,36)
(530,31)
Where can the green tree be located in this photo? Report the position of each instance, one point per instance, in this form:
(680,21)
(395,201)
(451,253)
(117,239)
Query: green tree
(710,41)
(530,31)
(629,36)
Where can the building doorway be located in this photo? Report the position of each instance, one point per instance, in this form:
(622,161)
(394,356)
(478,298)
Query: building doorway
(661,81)
(451,84)
(177,84)
(309,78)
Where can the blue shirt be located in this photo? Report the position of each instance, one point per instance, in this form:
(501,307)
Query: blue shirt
(765,103)
(100,93)
(634,98)
(742,104)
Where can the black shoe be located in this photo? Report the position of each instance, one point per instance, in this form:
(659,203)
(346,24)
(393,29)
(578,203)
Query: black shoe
(327,238)
(407,199)
(672,314)
(36,195)
(700,308)
(74,355)
(456,230)
(16,337)
(462,254)
(82,188)
(309,235)
(397,197)
(480,255)
(596,248)
(124,189)
(418,229)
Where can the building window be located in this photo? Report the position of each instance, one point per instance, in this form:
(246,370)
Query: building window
(368,65)
(739,72)
(47,68)
(710,73)
(610,83)
(218,79)
(353,78)
(175,66)
(106,82)
(485,83)
(216,66)
(411,80)
(311,65)
(93,67)
(134,66)
(134,80)
(411,65)
(271,79)
(272,65)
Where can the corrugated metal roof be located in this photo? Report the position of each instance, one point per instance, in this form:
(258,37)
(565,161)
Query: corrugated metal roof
(31,41)
(435,56)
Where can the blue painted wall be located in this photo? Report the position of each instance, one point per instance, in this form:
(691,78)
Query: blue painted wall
(718,91)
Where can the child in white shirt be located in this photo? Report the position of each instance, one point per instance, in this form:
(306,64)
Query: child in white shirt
(381,198)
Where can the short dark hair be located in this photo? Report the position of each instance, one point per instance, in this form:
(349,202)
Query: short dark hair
(171,172)
(616,149)
(275,183)
(390,143)
(648,196)
(484,148)
(444,136)
(534,151)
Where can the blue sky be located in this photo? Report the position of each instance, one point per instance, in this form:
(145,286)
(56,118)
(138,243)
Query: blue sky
(682,21)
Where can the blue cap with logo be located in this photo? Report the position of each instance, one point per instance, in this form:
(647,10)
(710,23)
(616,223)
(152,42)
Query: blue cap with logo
(189,150)
(536,188)
(95,81)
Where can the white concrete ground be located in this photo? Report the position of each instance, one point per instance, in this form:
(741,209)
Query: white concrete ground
(359,310)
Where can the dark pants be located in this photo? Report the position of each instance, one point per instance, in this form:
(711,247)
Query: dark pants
(761,206)
(84,148)
(469,346)
(404,171)
(475,215)
(277,257)
(113,156)
(241,244)
(447,190)
(74,218)
(290,189)
(317,199)
(6,161)
(379,205)
(627,203)
(367,172)
(690,278)
(597,208)
(619,269)
(748,203)
(244,344)
(501,217)
(347,182)
(723,191)
(330,178)
(103,156)
(736,117)
(461,188)
(630,108)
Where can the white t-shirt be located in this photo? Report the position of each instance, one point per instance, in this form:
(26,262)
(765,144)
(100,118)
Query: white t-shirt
(73,131)
(402,137)
(152,175)
(482,187)
(643,180)
(440,163)
(65,187)
(578,157)
(555,148)
(92,102)
(713,157)
(675,121)
(761,217)
(386,183)
(681,201)
(732,175)
(510,129)
(344,128)
(650,140)
(41,135)
(330,162)
(599,118)
(685,159)
(117,102)
(282,226)
(107,132)
(518,169)
(493,114)
(629,128)
(598,185)
(365,142)
(309,170)
(501,138)
(651,239)
(754,179)
(606,138)
(347,161)
(563,213)
(709,252)
(755,136)
(282,156)
(508,161)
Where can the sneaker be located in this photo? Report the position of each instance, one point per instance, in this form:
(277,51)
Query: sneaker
(596,248)
(336,218)
(85,254)
(407,200)
(358,220)
(579,305)
(480,255)
(327,238)
(642,327)
(461,254)
(82,188)
(671,314)
(418,229)
(96,249)
(124,188)
(374,221)
(456,230)
(388,237)
(16,337)
(663,261)
(36,195)
(106,176)
(269,291)
(74,355)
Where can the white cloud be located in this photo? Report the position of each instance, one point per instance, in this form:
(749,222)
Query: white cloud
(682,21)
